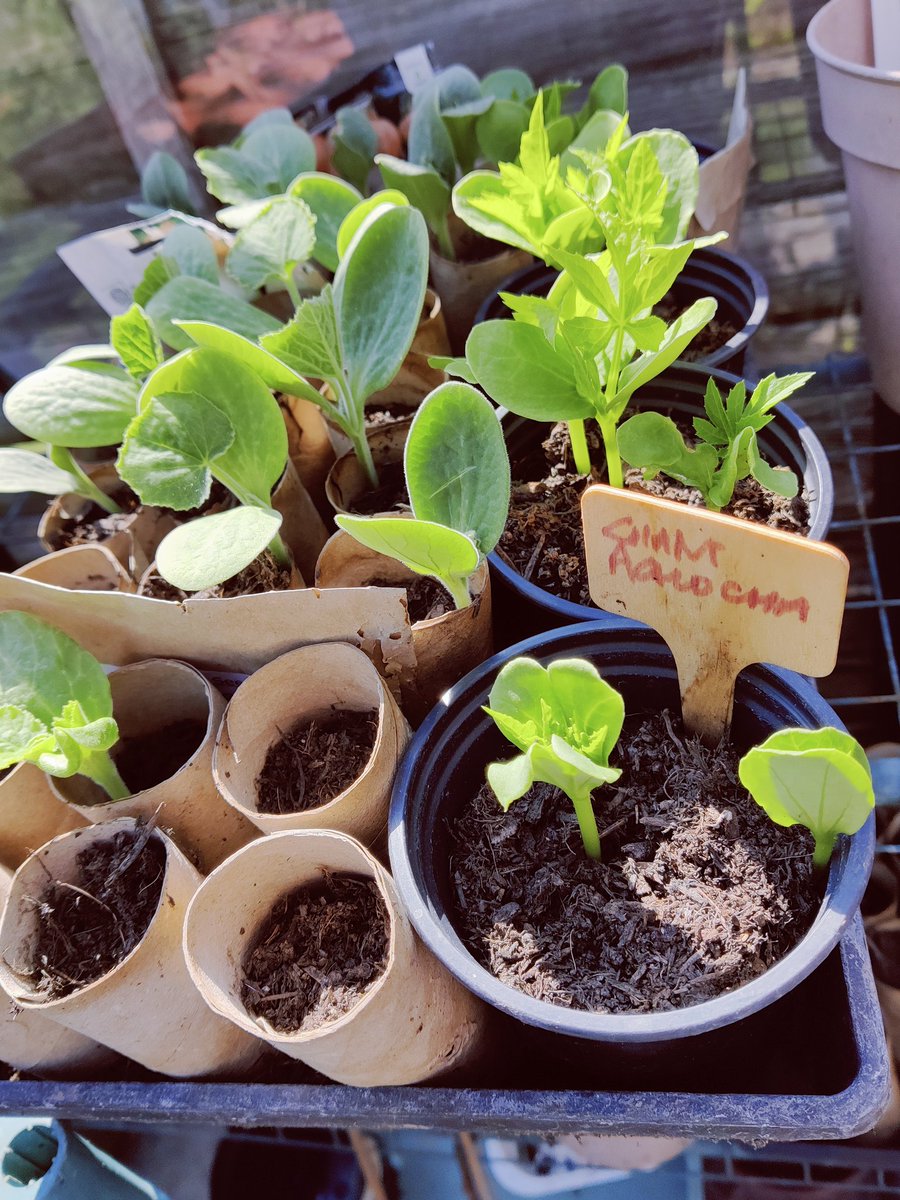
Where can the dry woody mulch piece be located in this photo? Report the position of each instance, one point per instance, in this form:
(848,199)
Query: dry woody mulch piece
(318,954)
(88,927)
(697,892)
(315,760)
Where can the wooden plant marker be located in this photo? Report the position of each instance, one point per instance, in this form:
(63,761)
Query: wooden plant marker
(722,592)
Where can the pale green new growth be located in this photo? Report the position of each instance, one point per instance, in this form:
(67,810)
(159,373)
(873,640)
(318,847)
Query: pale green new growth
(566,721)
(458,480)
(819,778)
(55,705)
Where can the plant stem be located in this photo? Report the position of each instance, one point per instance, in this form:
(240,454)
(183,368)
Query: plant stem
(364,454)
(441,231)
(606,422)
(279,551)
(579,447)
(86,486)
(99,766)
(587,823)
(611,450)
(292,290)
(458,589)
(824,848)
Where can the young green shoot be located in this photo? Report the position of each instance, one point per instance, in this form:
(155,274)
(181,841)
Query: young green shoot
(55,705)
(458,480)
(566,720)
(727,449)
(819,778)
(164,187)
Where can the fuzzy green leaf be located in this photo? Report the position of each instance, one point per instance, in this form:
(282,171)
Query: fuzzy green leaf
(273,244)
(72,406)
(422,186)
(271,370)
(499,130)
(355,143)
(136,342)
(353,221)
(309,344)
(210,550)
(184,299)
(25,471)
(430,144)
(330,200)
(192,251)
(164,184)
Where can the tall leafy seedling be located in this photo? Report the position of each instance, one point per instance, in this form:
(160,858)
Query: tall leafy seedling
(205,415)
(355,334)
(55,705)
(458,481)
(84,399)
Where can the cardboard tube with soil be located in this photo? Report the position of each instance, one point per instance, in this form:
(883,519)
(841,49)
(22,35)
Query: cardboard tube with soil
(262,576)
(31,813)
(92,937)
(462,285)
(302,530)
(347,486)
(312,741)
(87,568)
(168,715)
(404,1021)
(447,646)
(309,446)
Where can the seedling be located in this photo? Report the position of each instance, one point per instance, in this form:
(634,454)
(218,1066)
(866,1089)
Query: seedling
(55,705)
(205,415)
(458,480)
(263,161)
(164,186)
(270,247)
(727,450)
(566,721)
(819,778)
(354,142)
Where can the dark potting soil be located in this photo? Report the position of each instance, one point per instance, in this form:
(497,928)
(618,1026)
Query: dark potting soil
(390,495)
(719,330)
(87,927)
(320,951)
(314,761)
(264,574)
(697,892)
(543,539)
(426,598)
(143,762)
(96,525)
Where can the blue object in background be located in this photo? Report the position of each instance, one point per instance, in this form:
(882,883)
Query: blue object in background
(52,1162)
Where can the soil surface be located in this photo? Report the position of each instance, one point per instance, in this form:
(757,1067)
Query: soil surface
(314,761)
(426,598)
(697,892)
(144,762)
(389,496)
(543,539)
(317,955)
(264,574)
(387,414)
(719,330)
(96,525)
(88,927)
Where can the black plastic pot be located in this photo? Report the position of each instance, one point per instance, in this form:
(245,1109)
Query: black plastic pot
(740,290)
(522,609)
(688,1048)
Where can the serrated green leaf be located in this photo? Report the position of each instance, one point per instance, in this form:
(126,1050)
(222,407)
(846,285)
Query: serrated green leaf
(156,275)
(309,344)
(135,341)
(231,176)
(271,246)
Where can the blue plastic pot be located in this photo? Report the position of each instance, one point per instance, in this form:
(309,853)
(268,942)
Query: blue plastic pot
(522,609)
(445,764)
(741,292)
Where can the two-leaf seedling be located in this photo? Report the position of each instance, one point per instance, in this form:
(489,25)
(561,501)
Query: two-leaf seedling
(566,720)
(55,705)
(458,481)
(727,449)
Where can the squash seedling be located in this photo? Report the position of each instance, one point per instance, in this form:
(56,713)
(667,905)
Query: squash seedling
(205,415)
(164,186)
(566,720)
(458,480)
(819,778)
(263,160)
(55,705)
(727,450)
(82,400)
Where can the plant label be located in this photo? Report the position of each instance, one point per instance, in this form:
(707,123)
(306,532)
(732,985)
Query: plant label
(722,592)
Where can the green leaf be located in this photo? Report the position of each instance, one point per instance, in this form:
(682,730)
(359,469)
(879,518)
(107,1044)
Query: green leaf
(185,299)
(509,781)
(461,102)
(272,116)
(353,221)
(594,136)
(330,200)
(270,369)
(653,442)
(71,406)
(680,167)
(499,130)
(164,184)
(430,144)
(282,151)
(273,244)
(483,200)
(231,176)
(610,90)
(135,342)
(86,356)
(25,471)
(379,290)
(210,550)
(156,275)
(508,83)
(355,143)
(677,337)
(169,449)
(256,459)
(813,777)
(520,370)
(779,480)
(309,344)
(458,368)
(456,464)
(193,252)
(422,186)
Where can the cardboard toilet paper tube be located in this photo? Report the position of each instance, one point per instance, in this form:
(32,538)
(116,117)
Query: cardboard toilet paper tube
(147,697)
(31,813)
(313,681)
(414,1023)
(146,1007)
(446,647)
(149,582)
(30,1041)
(137,534)
(302,529)
(87,568)
(463,285)
(309,446)
(347,480)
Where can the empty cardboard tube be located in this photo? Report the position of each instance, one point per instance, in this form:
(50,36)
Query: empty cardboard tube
(146,1007)
(313,681)
(86,568)
(463,285)
(148,696)
(414,1023)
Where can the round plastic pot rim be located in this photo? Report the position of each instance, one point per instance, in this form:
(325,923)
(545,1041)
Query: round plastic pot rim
(570,610)
(861,70)
(847,878)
